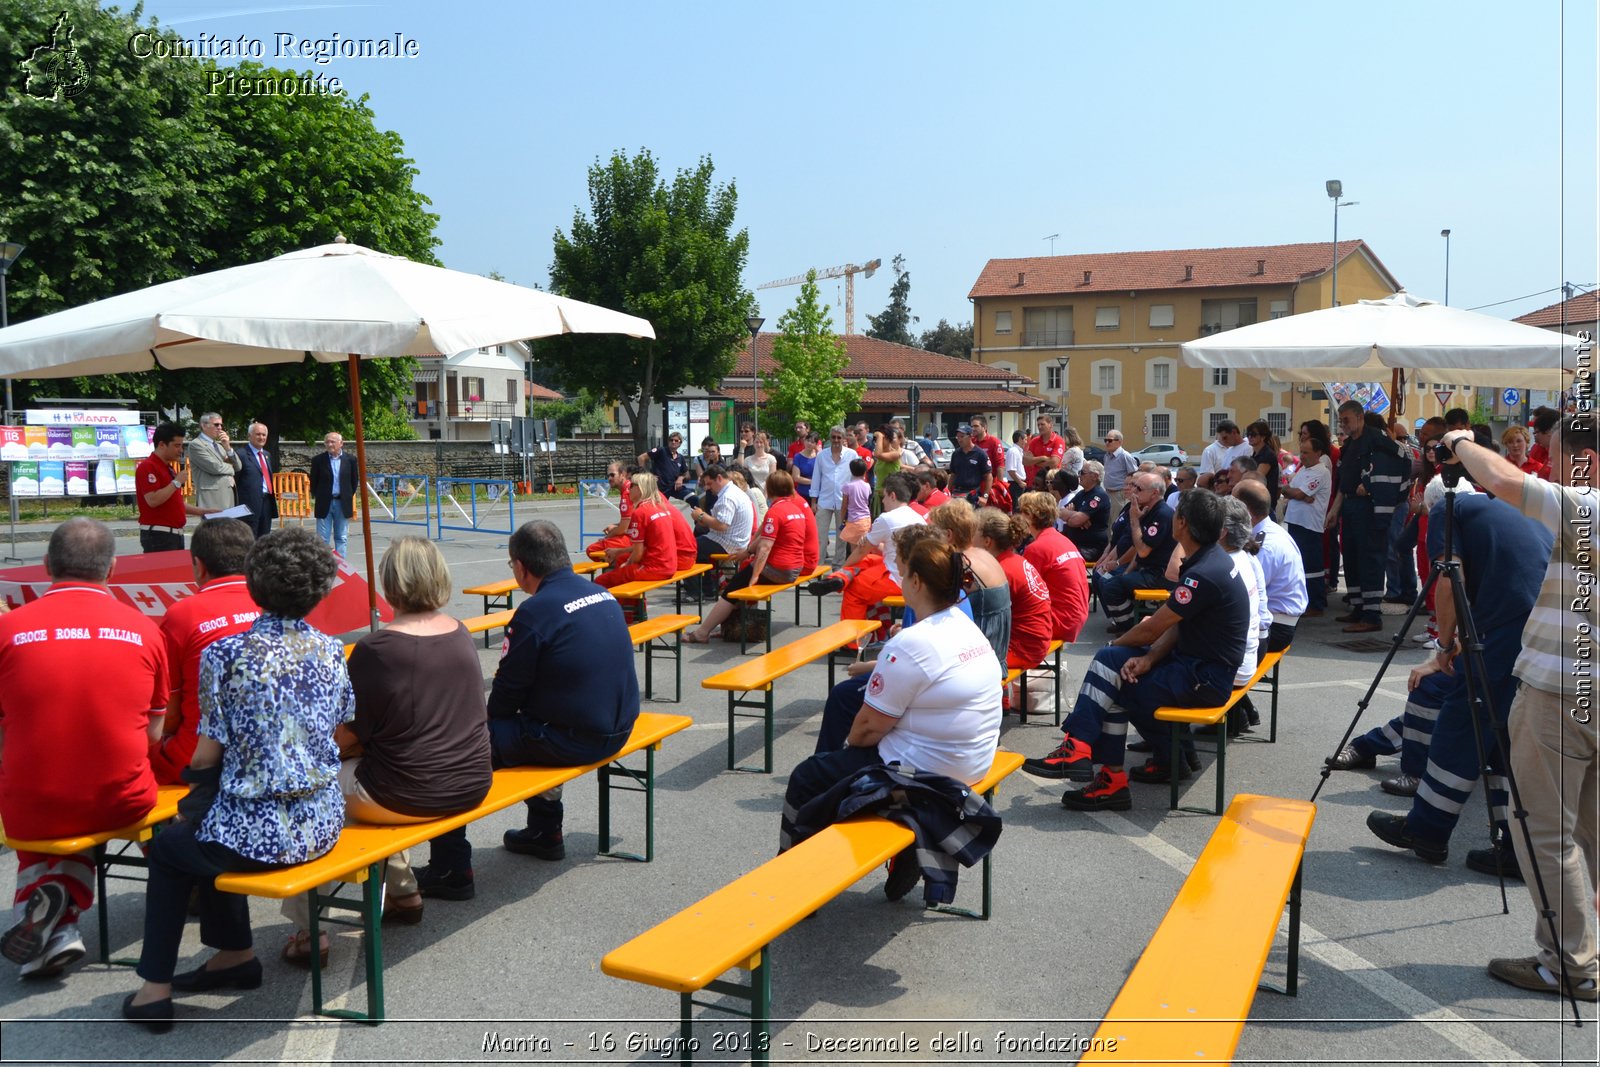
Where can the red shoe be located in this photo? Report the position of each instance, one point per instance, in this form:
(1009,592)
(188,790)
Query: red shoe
(1108,792)
(1071,760)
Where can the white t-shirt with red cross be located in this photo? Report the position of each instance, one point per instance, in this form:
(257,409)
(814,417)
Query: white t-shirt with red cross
(937,678)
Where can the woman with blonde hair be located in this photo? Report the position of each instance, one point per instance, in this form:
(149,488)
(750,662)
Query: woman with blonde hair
(654,556)
(1516,441)
(1072,459)
(1058,562)
(983,579)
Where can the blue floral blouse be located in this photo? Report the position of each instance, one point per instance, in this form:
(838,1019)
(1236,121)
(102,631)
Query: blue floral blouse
(271,697)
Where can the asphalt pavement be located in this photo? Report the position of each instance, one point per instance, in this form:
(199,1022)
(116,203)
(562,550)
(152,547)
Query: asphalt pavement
(1393,949)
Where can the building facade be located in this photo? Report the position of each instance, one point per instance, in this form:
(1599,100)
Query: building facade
(1101,332)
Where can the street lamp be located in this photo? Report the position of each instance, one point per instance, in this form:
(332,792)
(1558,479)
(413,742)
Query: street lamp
(754,322)
(1335,190)
(1446,235)
(1062,361)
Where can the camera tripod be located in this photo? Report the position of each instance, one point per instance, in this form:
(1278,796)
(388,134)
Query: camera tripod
(1480,705)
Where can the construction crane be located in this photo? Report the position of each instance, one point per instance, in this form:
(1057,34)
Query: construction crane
(848,272)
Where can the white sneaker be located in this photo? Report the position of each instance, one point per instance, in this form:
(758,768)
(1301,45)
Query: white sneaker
(1421,637)
(64,948)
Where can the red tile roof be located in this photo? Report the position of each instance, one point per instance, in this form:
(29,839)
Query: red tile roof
(536,391)
(929,399)
(1144,271)
(1585,307)
(872,359)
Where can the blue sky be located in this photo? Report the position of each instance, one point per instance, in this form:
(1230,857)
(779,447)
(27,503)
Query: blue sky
(954,133)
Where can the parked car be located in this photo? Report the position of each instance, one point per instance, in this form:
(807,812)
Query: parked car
(1094,452)
(942,448)
(1165,455)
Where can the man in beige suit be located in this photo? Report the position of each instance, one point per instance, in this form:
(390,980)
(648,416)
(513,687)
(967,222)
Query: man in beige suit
(213,464)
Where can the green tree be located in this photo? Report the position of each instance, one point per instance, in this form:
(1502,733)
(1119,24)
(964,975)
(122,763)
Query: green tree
(811,360)
(895,322)
(668,254)
(951,340)
(143,177)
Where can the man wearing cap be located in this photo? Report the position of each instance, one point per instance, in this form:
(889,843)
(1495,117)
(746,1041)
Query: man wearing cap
(970,472)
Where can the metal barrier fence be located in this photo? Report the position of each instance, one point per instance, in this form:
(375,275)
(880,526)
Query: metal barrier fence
(401,499)
(593,489)
(292,491)
(498,500)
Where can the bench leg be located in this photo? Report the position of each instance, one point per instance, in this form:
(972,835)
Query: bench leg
(1022,698)
(1291,986)
(103,920)
(643,782)
(767,728)
(677,669)
(769,626)
(372,919)
(649,680)
(758,994)
(1272,736)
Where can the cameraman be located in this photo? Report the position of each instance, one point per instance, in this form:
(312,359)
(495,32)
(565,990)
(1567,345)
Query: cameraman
(1552,727)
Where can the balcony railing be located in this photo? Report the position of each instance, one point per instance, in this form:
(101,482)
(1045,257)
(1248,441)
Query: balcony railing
(1047,338)
(473,410)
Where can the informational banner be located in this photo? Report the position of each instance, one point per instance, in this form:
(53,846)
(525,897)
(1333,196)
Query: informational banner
(52,479)
(1370,395)
(80,417)
(138,441)
(84,443)
(13,446)
(125,471)
(25,479)
(77,478)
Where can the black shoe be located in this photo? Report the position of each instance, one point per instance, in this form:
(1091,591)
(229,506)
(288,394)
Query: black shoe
(1391,829)
(1117,629)
(443,884)
(823,586)
(27,936)
(1153,772)
(246,975)
(1494,861)
(1140,746)
(541,844)
(1350,758)
(155,1016)
(904,874)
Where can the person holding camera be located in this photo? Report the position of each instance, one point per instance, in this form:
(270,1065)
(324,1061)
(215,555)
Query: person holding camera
(1555,759)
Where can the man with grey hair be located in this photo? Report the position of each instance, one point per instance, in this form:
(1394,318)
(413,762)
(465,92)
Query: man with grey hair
(1120,466)
(83,687)
(565,694)
(828,480)
(213,464)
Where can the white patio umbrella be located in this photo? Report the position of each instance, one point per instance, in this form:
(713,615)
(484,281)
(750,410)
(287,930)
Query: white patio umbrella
(1366,340)
(336,303)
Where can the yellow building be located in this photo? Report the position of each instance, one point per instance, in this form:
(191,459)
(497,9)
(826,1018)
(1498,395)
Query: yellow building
(1100,332)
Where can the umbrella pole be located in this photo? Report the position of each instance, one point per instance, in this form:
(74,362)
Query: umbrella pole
(361,486)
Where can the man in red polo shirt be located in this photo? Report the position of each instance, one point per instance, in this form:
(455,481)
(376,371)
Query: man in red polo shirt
(614,538)
(802,429)
(992,446)
(221,607)
(162,511)
(1045,450)
(82,680)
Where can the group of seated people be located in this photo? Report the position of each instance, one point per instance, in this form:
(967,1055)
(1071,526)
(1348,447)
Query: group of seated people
(280,740)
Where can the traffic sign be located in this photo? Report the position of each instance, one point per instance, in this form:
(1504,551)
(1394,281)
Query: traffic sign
(1511,397)
(1443,396)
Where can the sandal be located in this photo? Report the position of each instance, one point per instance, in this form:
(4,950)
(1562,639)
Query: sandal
(297,950)
(690,638)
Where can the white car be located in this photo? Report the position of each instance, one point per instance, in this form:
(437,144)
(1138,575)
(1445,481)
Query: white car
(942,449)
(1165,455)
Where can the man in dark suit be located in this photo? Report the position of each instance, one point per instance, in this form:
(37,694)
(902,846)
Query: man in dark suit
(254,481)
(333,492)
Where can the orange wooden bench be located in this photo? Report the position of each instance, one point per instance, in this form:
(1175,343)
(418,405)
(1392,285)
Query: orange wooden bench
(1187,999)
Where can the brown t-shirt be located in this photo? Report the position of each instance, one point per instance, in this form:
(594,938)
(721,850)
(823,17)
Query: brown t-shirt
(421,721)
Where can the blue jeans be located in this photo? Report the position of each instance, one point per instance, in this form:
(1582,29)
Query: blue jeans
(1400,570)
(334,528)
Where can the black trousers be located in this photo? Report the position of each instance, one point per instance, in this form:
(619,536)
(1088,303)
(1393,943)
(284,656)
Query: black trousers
(178,862)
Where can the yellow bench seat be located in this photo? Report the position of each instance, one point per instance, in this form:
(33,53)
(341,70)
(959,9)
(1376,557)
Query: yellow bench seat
(650,635)
(1188,996)
(362,848)
(759,674)
(1215,716)
(732,927)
